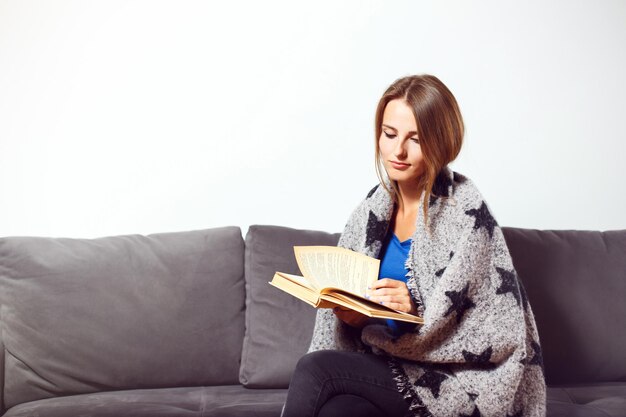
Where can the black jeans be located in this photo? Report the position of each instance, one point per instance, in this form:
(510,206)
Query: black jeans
(336,383)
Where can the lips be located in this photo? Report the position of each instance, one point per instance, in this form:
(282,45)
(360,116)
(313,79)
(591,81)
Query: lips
(399,165)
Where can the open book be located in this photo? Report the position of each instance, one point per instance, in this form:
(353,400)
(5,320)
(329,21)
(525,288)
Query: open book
(336,276)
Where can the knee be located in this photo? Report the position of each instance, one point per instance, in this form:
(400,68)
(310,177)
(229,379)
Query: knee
(315,364)
(333,408)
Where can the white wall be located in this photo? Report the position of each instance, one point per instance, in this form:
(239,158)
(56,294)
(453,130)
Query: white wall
(150,116)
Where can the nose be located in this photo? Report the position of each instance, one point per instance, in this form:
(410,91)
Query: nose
(400,149)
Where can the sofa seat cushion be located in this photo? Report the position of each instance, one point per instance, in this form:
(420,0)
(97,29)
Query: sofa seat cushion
(222,401)
(601,399)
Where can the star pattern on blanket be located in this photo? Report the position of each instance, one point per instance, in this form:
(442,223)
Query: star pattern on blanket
(375,229)
(483,218)
(482,359)
(432,380)
(442,184)
(440,187)
(460,302)
(509,284)
(459,178)
(372,191)
(475,413)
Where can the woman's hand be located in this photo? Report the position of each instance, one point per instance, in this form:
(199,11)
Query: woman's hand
(350,317)
(392,293)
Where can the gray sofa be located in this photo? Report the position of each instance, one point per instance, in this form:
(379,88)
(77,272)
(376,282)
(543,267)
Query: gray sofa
(185,324)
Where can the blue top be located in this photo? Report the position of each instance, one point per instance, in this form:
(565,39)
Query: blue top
(393,258)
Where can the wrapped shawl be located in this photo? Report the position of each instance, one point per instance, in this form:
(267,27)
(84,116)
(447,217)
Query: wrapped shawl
(478,352)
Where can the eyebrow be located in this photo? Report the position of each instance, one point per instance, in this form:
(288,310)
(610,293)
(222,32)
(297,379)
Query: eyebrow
(393,128)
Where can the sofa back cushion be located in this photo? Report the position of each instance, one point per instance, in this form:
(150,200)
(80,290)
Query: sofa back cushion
(576,285)
(86,315)
(278,326)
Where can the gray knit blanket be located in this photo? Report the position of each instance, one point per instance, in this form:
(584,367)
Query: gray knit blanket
(478,352)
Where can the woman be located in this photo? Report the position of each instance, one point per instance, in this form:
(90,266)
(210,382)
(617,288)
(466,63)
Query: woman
(443,257)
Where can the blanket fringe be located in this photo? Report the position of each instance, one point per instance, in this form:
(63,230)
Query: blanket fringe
(416,406)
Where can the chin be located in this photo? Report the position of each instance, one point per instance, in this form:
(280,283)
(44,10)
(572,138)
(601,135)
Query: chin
(403,178)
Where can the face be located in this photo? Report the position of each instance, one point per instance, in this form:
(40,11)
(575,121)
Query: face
(399,144)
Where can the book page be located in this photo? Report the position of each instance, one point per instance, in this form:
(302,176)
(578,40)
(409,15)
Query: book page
(331,266)
(293,285)
(297,279)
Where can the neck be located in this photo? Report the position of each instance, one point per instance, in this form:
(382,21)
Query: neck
(409,198)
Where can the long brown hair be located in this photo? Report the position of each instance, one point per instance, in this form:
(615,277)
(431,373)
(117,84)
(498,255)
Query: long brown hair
(440,128)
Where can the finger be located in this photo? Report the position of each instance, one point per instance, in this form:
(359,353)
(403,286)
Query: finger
(399,291)
(398,306)
(403,299)
(387,286)
(388,291)
(386,282)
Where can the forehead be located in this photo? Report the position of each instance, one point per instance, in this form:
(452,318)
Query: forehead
(399,115)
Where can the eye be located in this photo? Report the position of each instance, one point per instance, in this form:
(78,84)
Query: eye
(416,140)
(389,135)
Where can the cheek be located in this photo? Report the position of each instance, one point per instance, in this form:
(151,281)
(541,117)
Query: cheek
(383,145)
(416,156)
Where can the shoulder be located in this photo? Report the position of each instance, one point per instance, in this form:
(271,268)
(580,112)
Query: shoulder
(451,188)
(370,218)
(465,192)
(377,201)
(457,205)
(372,191)
(470,210)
